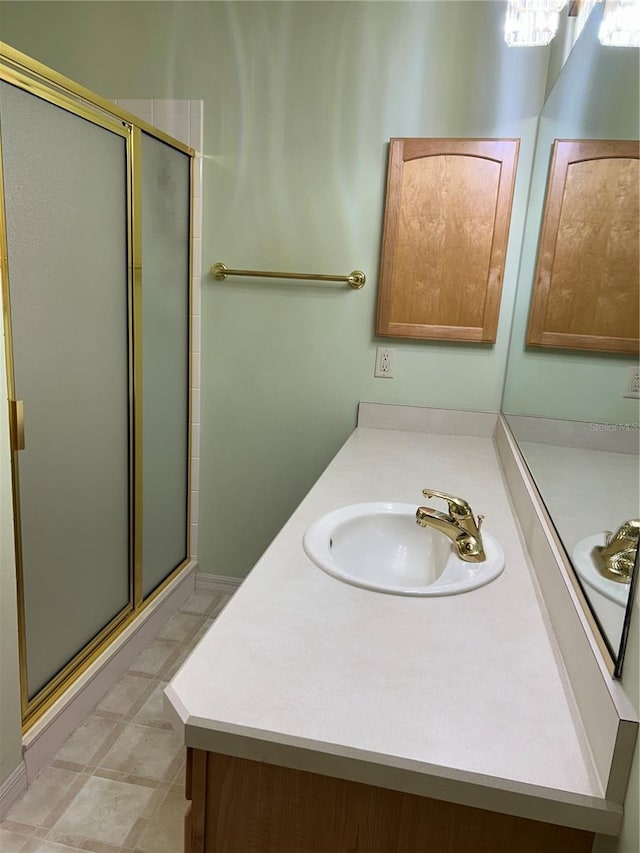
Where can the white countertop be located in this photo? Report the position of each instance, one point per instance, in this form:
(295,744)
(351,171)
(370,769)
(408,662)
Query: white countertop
(458,697)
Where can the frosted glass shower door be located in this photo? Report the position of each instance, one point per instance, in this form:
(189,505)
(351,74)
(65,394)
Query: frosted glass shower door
(65,201)
(166,187)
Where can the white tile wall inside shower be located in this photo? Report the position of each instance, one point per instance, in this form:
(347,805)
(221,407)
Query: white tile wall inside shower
(183,119)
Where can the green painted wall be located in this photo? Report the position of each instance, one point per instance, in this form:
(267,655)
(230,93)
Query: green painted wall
(596,97)
(300,102)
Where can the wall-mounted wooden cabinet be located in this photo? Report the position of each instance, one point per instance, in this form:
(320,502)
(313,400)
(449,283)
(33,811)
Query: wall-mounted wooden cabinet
(586,286)
(445,238)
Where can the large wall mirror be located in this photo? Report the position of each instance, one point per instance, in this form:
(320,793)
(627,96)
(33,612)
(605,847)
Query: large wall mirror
(575,427)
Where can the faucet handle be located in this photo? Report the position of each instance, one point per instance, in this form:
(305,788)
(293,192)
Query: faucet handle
(457,506)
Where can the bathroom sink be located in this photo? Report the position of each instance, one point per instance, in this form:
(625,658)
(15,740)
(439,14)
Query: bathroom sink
(379,546)
(587,571)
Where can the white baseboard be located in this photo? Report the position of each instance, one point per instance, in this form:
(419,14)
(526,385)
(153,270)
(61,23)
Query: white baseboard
(46,736)
(217,583)
(12,789)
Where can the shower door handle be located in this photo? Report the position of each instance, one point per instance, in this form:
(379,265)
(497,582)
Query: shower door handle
(16,415)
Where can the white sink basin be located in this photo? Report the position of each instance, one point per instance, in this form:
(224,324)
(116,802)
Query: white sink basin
(379,546)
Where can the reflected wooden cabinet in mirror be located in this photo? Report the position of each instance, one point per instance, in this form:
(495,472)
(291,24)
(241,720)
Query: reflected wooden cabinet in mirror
(586,287)
(445,236)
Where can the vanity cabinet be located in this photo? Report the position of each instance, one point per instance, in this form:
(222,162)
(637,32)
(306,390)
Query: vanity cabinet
(239,805)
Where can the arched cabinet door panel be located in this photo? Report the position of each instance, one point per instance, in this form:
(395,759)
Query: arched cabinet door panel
(445,237)
(586,286)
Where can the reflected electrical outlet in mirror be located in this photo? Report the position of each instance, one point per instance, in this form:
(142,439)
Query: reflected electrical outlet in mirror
(633,383)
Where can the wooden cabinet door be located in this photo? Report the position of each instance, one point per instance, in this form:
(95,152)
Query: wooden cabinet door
(445,238)
(586,287)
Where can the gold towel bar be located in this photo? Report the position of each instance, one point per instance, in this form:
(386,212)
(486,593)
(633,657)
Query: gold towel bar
(356,279)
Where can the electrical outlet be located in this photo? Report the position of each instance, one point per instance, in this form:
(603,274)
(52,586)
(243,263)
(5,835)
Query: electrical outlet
(633,383)
(384,362)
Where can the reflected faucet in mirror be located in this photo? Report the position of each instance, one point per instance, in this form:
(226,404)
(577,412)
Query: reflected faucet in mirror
(459,525)
(616,558)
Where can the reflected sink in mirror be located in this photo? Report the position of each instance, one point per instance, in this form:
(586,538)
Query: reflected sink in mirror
(380,547)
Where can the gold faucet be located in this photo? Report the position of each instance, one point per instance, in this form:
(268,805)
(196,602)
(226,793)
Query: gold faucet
(615,559)
(459,525)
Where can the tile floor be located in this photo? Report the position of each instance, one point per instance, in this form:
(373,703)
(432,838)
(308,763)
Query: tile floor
(117,784)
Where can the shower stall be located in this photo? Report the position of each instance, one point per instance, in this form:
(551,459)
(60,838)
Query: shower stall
(95,227)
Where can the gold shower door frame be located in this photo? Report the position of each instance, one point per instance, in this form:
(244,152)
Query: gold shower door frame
(23,72)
